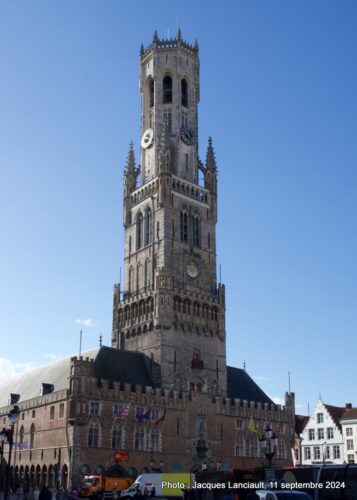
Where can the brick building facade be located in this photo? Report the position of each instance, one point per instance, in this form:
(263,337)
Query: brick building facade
(163,392)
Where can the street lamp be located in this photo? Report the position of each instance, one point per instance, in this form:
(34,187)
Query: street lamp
(268,442)
(9,434)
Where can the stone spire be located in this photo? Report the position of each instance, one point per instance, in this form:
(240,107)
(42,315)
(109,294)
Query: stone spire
(179,36)
(131,172)
(155,37)
(130,162)
(210,156)
(211,169)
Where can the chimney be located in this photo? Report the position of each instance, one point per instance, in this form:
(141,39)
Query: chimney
(348,406)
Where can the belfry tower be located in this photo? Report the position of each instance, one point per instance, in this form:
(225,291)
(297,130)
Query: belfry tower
(171,307)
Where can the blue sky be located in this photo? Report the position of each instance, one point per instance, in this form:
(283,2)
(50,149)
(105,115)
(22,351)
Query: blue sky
(278,96)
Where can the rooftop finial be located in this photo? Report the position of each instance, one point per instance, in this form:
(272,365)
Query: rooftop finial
(100,340)
(210,157)
(244,365)
(142,49)
(196,45)
(155,38)
(130,164)
(179,36)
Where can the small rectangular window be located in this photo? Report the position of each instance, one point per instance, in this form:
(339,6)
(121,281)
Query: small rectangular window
(320,418)
(94,408)
(52,412)
(336,452)
(317,454)
(61,410)
(33,413)
(239,423)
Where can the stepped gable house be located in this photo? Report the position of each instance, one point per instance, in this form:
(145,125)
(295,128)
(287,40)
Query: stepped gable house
(162,393)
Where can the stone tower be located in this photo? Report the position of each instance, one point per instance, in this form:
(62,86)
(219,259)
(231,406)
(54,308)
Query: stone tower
(171,307)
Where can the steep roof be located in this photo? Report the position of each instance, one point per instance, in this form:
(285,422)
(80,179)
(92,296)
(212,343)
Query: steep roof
(336,413)
(300,422)
(350,414)
(108,363)
(28,384)
(121,366)
(241,386)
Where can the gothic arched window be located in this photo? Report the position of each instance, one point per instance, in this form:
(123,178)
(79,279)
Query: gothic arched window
(117,436)
(167,90)
(240,447)
(146,273)
(21,435)
(93,434)
(154,440)
(32,436)
(254,447)
(139,438)
(151,92)
(137,277)
(139,230)
(196,230)
(184,93)
(184,226)
(148,227)
(131,280)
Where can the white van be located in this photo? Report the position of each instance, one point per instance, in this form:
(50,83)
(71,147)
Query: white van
(160,484)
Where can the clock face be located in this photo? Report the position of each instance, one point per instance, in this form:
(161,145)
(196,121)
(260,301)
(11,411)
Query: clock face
(187,136)
(192,270)
(148,138)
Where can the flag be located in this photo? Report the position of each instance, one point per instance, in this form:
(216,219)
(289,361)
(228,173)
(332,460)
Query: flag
(161,418)
(252,426)
(142,417)
(124,411)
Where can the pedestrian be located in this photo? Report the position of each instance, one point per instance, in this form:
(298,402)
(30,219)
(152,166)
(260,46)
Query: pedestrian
(153,492)
(61,493)
(36,493)
(74,495)
(53,493)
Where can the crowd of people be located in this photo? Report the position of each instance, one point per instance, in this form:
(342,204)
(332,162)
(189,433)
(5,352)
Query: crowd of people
(45,493)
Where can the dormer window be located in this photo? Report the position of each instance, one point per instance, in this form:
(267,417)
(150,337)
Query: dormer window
(167,90)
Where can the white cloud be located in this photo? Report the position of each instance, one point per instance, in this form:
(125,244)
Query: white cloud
(51,355)
(277,400)
(8,369)
(85,322)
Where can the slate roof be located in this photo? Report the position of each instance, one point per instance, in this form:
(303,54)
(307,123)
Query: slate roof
(121,366)
(350,414)
(108,363)
(240,385)
(300,422)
